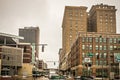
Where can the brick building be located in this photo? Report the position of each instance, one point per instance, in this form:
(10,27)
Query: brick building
(79,25)
(103,48)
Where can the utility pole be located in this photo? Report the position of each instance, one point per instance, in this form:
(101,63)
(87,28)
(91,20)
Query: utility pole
(33,53)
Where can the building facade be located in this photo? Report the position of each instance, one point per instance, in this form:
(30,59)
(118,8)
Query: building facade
(27,52)
(11,60)
(11,57)
(102,18)
(74,20)
(27,66)
(99,26)
(100,49)
(31,35)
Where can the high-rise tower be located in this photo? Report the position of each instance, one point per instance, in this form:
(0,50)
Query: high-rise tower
(74,20)
(31,35)
(102,18)
(89,33)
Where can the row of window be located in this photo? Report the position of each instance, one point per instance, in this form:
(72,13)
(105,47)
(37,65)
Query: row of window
(99,47)
(99,72)
(7,50)
(100,39)
(106,7)
(100,55)
(101,62)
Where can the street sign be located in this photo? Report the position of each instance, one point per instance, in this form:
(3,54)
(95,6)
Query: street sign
(87,60)
(112,75)
(90,54)
(117,57)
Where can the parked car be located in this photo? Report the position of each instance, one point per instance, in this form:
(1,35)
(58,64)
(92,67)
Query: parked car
(117,77)
(57,77)
(84,78)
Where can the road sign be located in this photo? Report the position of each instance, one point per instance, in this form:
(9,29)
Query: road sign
(87,60)
(90,54)
(117,57)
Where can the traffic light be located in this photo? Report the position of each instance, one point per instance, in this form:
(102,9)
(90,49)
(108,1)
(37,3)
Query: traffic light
(54,63)
(89,65)
(86,65)
(100,36)
(97,56)
(42,48)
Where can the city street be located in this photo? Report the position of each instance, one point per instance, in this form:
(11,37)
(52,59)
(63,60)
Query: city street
(33,78)
(24,78)
(59,40)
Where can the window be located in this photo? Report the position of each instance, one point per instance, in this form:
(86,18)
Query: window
(97,62)
(83,47)
(96,47)
(70,26)
(101,62)
(87,47)
(70,36)
(105,62)
(119,40)
(76,13)
(3,56)
(8,58)
(100,16)
(96,39)
(83,39)
(100,47)
(105,55)
(115,40)
(70,29)
(104,47)
(70,12)
(25,48)
(90,39)
(104,40)
(115,47)
(90,47)
(100,20)
(86,39)
(96,54)
(81,15)
(112,7)
(111,47)
(70,18)
(110,40)
(100,39)
(100,55)
(106,20)
(83,55)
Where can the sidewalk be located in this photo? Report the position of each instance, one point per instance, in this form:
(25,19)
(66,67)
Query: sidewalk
(70,79)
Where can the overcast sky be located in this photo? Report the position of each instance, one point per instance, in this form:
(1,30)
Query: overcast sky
(48,15)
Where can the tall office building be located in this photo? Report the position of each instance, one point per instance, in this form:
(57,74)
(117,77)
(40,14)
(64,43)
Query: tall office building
(99,24)
(102,18)
(31,35)
(74,20)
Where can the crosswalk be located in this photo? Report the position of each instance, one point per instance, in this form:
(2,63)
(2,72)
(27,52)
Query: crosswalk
(43,78)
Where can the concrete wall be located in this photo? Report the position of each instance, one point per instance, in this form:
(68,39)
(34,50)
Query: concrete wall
(26,69)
